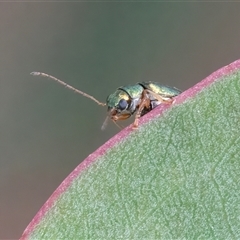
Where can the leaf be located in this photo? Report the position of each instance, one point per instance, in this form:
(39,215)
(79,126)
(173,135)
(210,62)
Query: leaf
(177,176)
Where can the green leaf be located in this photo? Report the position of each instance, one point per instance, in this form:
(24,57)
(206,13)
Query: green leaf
(177,176)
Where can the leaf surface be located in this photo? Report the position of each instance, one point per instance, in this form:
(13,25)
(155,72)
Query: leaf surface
(177,176)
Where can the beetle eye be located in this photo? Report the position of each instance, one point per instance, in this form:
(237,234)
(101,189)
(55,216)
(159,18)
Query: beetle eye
(122,104)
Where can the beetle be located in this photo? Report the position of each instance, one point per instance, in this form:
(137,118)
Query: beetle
(126,101)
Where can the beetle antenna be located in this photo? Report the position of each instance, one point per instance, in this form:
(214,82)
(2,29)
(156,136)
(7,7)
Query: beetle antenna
(68,86)
(105,123)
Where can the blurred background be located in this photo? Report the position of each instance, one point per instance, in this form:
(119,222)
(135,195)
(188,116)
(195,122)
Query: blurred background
(46,130)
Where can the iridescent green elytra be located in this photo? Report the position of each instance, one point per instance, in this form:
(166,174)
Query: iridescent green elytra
(137,99)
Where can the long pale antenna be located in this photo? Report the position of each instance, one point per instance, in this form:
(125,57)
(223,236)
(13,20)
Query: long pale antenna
(68,86)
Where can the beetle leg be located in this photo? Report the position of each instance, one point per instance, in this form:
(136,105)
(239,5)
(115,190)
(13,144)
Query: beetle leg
(145,103)
(116,118)
(160,98)
(118,125)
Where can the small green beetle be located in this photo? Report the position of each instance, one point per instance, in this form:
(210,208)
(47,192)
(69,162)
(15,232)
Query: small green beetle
(137,99)
(140,98)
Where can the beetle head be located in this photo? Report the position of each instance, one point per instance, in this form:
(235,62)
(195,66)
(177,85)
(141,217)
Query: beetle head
(118,104)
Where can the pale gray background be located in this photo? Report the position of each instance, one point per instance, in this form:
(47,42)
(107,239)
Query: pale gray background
(46,130)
